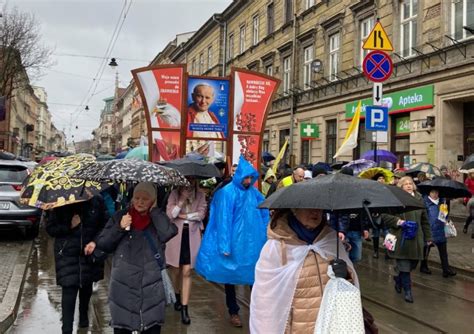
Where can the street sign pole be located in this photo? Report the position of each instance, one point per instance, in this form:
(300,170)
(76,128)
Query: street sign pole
(377,101)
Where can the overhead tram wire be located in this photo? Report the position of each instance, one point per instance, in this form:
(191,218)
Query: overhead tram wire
(96,57)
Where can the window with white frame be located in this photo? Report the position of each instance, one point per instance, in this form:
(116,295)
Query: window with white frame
(209,57)
(256,24)
(366,27)
(286,74)
(230,53)
(462,15)
(242,39)
(269,70)
(334,45)
(409,13)
(308,59)
(201,63)
(308,4)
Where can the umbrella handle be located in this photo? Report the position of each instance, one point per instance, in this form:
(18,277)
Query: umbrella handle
(367,211)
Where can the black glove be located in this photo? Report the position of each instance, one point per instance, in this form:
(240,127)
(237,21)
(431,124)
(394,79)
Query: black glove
(340,268)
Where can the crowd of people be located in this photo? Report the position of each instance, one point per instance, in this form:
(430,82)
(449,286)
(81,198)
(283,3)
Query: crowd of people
(223,235)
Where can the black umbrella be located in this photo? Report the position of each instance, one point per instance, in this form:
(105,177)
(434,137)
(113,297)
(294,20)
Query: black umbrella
(190,167)
(343,193)
(468,166)
(133,171)
(267,157)
(447,188)
(338,164)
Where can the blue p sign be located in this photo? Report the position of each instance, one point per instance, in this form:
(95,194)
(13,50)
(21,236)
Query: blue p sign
(376,118)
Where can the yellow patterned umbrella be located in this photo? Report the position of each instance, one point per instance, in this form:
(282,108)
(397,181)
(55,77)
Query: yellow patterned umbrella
(372,172)
(50,185)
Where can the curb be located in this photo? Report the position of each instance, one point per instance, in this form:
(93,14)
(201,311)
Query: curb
(11,300)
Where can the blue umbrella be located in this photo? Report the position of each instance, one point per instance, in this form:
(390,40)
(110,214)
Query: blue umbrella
(382,155)
(360,165)
(267,157)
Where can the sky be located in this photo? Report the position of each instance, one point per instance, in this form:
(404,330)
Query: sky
(85,27)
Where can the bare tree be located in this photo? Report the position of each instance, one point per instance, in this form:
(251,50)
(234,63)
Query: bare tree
(22,54)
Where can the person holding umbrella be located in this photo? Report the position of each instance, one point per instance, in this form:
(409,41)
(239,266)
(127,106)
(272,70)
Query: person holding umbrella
(74,228)
(412,232)
(186,208)
(136,236)
(469,182)
(433,202)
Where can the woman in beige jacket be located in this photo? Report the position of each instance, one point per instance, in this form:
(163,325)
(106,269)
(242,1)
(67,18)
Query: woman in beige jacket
(291,273)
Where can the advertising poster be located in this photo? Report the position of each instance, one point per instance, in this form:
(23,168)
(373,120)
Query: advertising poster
(212,149)
(208,108)
(252,98)
(162,90)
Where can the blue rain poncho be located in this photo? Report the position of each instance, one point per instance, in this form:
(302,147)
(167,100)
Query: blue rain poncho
(237,228)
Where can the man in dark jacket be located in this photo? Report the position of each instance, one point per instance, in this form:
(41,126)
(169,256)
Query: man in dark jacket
(75,227)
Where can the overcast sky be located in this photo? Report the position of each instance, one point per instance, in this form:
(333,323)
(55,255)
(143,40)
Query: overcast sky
(85,27)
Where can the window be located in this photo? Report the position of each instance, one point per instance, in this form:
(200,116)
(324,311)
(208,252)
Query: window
(362,144)
(333,56)
(331,140)
(286,74)
(288,10)
(284,135)
(242,39)
(366,27)
(193,66)
(256,23)
(269,70)
(270,19)
(201,63)
(308,58)
(462,16)
(231,46)
(209,57)
(266,141)
(305,151)
(308,4)
(408,27)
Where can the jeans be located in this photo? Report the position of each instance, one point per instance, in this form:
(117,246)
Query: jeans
(68,305)
(355,240)
(152,330)
(230,299)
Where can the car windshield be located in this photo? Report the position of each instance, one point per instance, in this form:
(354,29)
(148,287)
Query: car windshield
(12,174)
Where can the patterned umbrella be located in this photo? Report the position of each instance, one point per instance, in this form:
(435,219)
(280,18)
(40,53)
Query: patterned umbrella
(360,165)
(382,155)
(371,172)
(51,185)
(425,167)
(131,170)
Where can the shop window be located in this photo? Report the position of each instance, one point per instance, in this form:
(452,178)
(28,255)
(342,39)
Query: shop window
(408,27)
(305,151)
(331,140)
(400,139)
(462,15)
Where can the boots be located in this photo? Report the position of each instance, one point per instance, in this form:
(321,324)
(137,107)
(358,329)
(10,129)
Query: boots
(443,256)
(177,303)
(376,247)
(398,283)
(184,315)
(424,267)
(406,284)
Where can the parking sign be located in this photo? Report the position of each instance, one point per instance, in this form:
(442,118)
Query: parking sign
(376,118)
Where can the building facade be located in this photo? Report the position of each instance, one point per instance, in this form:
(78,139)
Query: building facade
(105,132)
(315,48)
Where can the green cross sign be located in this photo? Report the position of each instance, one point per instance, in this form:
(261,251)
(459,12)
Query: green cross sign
(309,131)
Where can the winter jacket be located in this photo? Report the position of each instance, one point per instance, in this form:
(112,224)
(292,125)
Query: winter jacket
(342,222)
(73,267)
(236,228)
(437,226)
(265,185)
(409,249)
(136,293)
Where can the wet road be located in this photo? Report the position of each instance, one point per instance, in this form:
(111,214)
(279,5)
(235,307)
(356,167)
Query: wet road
(40,308)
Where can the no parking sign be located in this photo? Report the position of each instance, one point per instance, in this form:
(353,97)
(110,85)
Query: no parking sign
(377,66)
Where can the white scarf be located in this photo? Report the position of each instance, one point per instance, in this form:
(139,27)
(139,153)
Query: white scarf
(275,285)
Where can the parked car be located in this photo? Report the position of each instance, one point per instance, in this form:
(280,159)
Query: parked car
(13,214)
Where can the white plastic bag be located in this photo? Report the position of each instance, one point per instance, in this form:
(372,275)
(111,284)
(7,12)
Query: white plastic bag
(341,308)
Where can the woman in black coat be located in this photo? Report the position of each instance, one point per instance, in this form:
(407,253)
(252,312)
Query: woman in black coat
(75,228)
(136,291)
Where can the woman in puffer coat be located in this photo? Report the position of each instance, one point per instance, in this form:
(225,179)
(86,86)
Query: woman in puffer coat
(291,272)
(136,291)
(75,228)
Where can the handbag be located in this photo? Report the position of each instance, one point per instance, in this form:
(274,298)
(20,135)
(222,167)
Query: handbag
(390,242)
(450,230)
(170,296)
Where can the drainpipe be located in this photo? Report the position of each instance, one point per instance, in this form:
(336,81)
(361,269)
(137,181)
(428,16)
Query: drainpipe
(293,96)
(224,57)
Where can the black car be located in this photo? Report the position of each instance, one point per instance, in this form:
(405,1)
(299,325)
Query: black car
(13,214)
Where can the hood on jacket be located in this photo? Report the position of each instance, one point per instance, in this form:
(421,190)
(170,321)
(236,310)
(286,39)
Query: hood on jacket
(269,174)
(244,170)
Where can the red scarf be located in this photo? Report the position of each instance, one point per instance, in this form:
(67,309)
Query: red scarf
(139,221)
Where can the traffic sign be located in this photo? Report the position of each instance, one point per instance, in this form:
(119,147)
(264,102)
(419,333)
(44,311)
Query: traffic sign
(376,118)
(377,66)
(377,93)
(378,40)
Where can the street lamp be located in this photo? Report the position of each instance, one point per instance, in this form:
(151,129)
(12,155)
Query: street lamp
(113,63)
(86,108)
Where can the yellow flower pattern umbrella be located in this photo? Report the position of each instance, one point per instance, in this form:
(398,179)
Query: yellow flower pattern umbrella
(50,185)
(371,172)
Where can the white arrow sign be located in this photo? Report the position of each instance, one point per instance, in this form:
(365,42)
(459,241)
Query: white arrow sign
(377,93)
